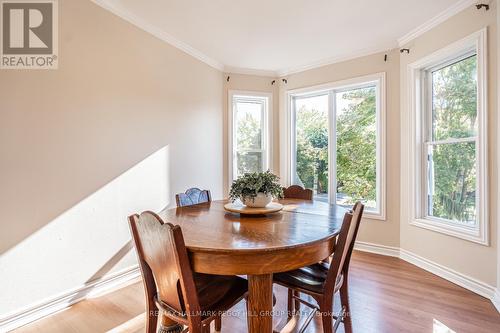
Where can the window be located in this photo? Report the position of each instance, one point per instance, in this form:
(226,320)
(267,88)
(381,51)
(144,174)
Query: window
(340,124)
(311,144)
(356,132)
(450,136)
(249,143)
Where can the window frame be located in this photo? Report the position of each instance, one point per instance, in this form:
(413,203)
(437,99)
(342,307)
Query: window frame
(420,109)
(288,157)
(266,148)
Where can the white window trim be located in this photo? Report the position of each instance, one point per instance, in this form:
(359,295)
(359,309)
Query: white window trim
(267,133)
(286,130)
(479,234)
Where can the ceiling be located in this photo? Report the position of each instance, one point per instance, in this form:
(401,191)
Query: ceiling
(277,37)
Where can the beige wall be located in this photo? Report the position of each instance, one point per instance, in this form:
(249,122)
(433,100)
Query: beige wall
(123,124)
(372,231)
(468,258)
(498,150)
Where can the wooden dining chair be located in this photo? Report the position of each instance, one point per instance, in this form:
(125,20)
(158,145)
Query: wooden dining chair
(171,287)
(297,192)
(192,196)
(322,280)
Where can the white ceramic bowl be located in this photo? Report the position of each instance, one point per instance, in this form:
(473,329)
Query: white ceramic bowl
(261,200)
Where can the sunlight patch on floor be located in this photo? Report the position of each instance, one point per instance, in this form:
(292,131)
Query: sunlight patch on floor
(439,327)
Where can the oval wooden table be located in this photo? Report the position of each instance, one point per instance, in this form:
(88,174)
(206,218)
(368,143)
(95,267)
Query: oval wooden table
(220,242)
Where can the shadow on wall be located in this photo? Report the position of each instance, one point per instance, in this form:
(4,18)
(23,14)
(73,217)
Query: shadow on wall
(87,241)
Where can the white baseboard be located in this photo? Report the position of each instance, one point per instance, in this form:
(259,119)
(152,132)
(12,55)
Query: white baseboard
(496,299)
(451,275)
(55,304)
(377,249)
(446,273)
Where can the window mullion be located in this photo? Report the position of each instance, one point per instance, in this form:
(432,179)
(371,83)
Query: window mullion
(451,141)
(332,146)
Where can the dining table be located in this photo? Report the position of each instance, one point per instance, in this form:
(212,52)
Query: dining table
(226,243)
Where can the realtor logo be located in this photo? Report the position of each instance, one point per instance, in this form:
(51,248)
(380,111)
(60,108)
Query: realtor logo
(29,34)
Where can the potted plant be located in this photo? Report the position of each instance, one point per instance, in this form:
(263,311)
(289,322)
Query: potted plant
(256,189)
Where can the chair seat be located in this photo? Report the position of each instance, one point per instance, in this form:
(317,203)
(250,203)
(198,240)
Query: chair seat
(308,279)
(216,293)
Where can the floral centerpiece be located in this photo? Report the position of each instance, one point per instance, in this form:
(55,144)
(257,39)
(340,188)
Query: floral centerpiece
(256,189)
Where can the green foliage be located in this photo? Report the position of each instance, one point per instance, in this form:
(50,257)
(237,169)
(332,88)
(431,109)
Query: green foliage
(250,184)
(357,146)
(312,149)
(248,132)
(453,165)
(248,137)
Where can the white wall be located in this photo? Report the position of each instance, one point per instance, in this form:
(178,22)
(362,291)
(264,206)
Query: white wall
(123,124)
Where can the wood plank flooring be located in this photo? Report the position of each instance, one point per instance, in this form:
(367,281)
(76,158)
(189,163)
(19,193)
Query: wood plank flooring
(387,295)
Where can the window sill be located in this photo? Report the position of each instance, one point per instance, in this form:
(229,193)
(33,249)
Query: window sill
(475,235)
(374,216)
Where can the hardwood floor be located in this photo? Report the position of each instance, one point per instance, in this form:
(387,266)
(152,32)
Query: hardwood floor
(387,295)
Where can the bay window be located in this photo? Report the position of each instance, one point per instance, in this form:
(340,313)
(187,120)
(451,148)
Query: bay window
(337,142)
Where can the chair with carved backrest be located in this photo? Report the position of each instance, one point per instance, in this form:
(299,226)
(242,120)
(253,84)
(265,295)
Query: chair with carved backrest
(192,196)
(172,289)
(322,280)
(297,192)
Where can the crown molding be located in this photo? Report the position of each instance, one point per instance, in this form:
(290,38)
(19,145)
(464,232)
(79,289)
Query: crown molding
(121,12)
(435,21)
(250,71)
(311,65)
(337,59)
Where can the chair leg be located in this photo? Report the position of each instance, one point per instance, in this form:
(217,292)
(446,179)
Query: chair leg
(205,328)
(196,325)
(344,299)
(218,323)
(289,308)
(327,317)
(151,318)
(296,302)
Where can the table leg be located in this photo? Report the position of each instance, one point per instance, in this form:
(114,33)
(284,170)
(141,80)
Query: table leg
(260,303)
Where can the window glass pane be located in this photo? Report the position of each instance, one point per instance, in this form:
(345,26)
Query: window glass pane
(248,124)
(312,144)
(454,100)
(451,175)
(249,162)
(357,147)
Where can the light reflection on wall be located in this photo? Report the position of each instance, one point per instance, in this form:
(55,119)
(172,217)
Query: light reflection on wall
(87,241)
